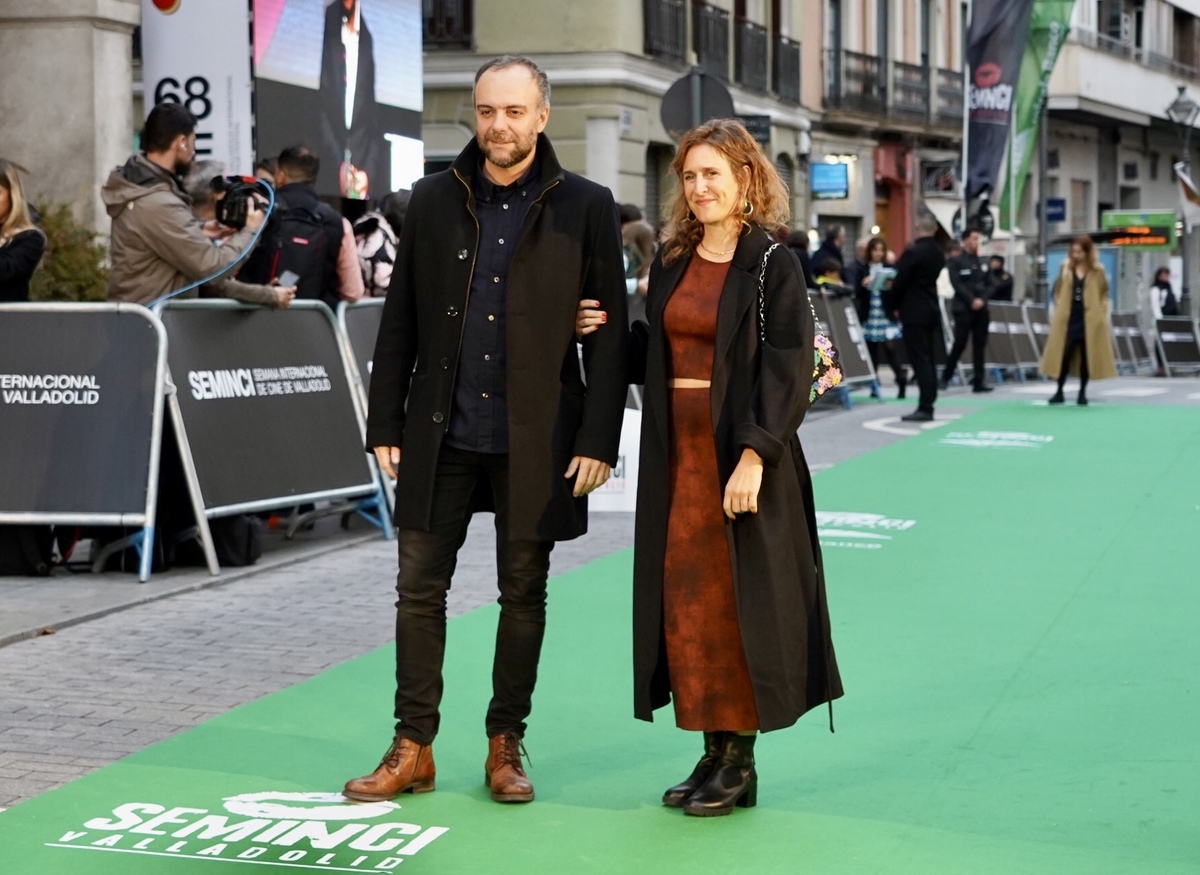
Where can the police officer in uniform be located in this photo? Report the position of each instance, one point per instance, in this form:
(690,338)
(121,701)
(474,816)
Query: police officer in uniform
(972,280)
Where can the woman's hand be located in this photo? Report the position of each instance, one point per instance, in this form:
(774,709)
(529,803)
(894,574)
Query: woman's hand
(588,318)
(741,492)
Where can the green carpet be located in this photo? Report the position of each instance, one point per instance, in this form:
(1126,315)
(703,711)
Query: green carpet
(1016,631)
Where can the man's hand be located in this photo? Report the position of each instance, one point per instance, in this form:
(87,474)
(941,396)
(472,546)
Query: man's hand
(388,459)
(643,286)
(254,214)
(217,232)
(284,296)
(977,303)
(741,492)
(589,318)
(592,474)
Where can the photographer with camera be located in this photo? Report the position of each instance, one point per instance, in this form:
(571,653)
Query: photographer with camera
(158,245)
(214,197)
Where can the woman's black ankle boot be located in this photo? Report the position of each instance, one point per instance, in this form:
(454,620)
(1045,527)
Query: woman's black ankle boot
(677,795)
(733,783)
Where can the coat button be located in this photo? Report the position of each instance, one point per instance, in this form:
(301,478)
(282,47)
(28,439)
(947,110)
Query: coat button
(437,417)
(452,312)
(445,364)
(462,255)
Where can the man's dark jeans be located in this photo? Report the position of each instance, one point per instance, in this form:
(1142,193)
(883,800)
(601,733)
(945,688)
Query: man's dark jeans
(427,562)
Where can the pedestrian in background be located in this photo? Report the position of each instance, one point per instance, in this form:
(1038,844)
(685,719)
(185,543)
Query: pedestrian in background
(199,187)
(797,242)
(972,282)
(1163,303)
(831,246)
(638,244)
(1080,341)
(22,244)
(913,302)
(1002,280)
(880,332)
(157,244)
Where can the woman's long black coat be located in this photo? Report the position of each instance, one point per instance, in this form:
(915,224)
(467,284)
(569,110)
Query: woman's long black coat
(758,400)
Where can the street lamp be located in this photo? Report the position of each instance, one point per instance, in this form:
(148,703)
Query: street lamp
(1183,111)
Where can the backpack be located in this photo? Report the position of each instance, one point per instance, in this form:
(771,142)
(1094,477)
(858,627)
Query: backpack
(376,244)
(299,245)
(237,541)
(1170,306)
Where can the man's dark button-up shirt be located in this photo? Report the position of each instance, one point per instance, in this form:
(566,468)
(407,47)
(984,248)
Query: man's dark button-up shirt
(479,421)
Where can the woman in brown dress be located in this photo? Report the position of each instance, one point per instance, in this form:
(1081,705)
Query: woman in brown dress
(730,621)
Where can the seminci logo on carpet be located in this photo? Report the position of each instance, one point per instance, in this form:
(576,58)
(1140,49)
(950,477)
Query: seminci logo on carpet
(858,531)
(297,830)
(997,440)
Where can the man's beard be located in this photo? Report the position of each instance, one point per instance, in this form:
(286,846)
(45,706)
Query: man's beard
(182,166)
(522,149)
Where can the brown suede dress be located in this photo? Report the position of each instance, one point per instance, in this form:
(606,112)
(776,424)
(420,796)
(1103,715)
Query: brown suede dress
(710,683)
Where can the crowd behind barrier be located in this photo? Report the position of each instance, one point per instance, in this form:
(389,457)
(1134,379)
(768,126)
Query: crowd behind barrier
(264,414)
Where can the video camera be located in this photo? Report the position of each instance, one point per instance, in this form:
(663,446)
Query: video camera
(236,191)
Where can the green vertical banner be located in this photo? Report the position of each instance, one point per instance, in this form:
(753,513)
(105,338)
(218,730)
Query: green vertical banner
(1047,32)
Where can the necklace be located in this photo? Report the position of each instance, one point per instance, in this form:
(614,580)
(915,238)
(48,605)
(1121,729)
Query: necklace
(715,252)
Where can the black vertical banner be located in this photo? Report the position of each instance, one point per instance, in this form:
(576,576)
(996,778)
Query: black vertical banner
(995,44)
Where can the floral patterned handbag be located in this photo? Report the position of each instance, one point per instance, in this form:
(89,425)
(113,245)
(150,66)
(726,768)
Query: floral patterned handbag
(827,369)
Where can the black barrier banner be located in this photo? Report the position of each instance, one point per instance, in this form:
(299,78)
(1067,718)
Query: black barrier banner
(1024,349)
(1037,316)
(839,320)
(266,403)
(360,323)
(995,43)
(80,398)
(1138,346)
(1123,324)
(1177,335)
(1000,350)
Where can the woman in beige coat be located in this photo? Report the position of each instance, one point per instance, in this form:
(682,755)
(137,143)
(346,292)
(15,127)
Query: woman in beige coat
(1080,341)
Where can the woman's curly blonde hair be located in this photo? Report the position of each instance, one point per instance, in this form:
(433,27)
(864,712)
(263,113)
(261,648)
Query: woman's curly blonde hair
(763,190)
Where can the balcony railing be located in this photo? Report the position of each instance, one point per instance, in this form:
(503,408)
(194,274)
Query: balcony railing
(949,96)
(449,24)
(750,61)
(787,70)
(1120,49)
(910,90)
(855,82)
(666,29)
(710,36)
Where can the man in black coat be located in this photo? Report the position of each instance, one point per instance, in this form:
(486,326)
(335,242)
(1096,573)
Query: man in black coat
(913,301)
(1002,280)
(973,284)
(477,402)
(831,246)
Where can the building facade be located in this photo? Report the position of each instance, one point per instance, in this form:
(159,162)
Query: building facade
(1112,144)
(610,65)
(65,101)
(887,82)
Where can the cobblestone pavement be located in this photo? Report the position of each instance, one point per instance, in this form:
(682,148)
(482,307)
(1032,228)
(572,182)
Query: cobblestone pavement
(99,690)
(95,692)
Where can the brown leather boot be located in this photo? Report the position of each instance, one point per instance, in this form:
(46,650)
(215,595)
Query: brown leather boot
(502,773)
(407,767)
